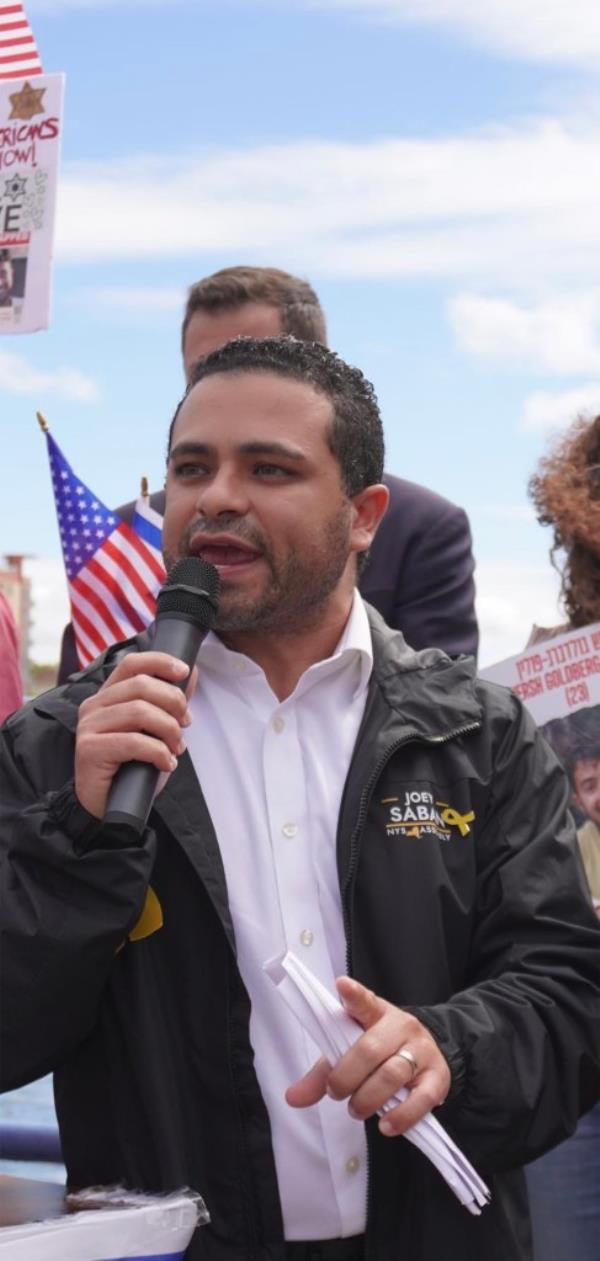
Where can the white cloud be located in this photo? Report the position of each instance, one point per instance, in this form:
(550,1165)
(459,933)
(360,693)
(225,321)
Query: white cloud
(510,599)
(544,410)
(507,205)
(558,336)
(18,376)
(535,30)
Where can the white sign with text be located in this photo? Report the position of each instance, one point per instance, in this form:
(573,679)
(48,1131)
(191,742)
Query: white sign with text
(556,677)
(30,135)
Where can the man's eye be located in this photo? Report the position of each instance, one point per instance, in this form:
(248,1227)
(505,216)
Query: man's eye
(187,469)
(272,470)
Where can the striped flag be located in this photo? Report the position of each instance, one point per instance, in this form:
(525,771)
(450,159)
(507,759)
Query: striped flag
(114,570)
(19,57)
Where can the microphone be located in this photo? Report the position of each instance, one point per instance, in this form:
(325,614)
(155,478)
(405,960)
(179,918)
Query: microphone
(185,611)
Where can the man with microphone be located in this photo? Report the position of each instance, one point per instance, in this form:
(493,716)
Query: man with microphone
(420,570)
(321,788)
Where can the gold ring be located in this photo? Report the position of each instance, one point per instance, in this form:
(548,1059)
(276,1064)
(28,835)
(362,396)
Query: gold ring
(405,1054)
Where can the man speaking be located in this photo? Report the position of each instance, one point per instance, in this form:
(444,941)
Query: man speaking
(420,570)
(326,790)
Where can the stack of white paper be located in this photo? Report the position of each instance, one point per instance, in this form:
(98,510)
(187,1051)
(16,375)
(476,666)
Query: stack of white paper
(334,1032)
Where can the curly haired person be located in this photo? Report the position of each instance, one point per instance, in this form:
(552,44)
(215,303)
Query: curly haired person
(564,1186)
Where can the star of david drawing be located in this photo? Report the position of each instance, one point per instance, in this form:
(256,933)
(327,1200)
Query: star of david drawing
(27,102)
(15,187)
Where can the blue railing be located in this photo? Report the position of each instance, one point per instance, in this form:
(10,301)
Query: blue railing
(30,1142)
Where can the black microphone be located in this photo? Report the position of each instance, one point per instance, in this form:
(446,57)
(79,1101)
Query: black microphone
(185,611)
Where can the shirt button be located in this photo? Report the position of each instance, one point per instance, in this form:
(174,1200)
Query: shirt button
(278,724)
(353,1165)
(239,665)
(289,830)
(307,937)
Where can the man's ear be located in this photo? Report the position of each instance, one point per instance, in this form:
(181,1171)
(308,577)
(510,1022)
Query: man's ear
(368,508)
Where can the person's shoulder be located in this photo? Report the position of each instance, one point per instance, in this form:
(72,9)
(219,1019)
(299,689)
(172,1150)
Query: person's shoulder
(450,687)
(429,669)
(588,835)
(7,620)
(157,501)
(538,634)
(428,504)
(501,701)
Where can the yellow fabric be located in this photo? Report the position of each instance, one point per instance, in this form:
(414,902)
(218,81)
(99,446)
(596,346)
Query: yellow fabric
(151,918)
(589,843)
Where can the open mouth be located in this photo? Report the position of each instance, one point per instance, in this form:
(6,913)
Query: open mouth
(226,556)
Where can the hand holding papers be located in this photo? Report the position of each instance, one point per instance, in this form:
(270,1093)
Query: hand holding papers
(334,1032)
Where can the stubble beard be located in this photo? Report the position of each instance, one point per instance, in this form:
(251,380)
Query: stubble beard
(295,593)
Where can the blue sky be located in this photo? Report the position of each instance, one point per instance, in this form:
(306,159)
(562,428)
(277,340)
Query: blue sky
(431,166)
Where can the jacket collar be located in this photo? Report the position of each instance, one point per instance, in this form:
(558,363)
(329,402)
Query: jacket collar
(428,691)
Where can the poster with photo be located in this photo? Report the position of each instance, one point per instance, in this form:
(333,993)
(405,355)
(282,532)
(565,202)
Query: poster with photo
(30,134)
(559,682)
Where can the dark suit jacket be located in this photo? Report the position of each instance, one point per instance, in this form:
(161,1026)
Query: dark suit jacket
(419,575)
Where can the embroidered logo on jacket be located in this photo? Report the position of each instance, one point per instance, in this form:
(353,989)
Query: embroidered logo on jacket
(416,813)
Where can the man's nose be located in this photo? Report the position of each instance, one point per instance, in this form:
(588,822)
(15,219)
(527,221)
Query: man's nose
(224,491)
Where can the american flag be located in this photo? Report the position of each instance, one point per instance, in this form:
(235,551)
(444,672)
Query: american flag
(114,570)
(19,57)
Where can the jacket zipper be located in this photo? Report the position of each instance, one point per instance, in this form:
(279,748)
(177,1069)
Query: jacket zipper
(365,800)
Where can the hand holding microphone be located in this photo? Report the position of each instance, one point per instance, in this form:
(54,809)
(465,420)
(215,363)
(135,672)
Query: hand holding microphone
(131,730)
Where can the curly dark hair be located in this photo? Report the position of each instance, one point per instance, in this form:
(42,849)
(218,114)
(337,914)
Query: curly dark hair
(300,311)
(566,495)
(356,434)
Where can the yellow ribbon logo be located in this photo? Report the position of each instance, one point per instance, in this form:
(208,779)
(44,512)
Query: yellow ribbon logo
(456,820)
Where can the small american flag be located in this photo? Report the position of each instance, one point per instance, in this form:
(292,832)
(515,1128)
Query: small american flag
(19,56)
(114,570)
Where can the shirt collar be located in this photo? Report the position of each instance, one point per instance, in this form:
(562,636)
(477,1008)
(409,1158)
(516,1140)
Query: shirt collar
(356,640)
(354,645)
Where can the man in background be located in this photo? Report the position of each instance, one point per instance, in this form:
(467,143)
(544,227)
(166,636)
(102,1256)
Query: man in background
(420,572)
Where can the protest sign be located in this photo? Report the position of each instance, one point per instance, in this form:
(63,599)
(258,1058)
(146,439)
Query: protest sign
(30,134)
(556,677)
(558,680)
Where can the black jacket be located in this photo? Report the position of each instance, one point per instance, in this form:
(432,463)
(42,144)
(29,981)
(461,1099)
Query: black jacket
(419,575)
(478,921)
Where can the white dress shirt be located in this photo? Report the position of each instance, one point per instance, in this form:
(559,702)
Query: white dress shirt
(273,775)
